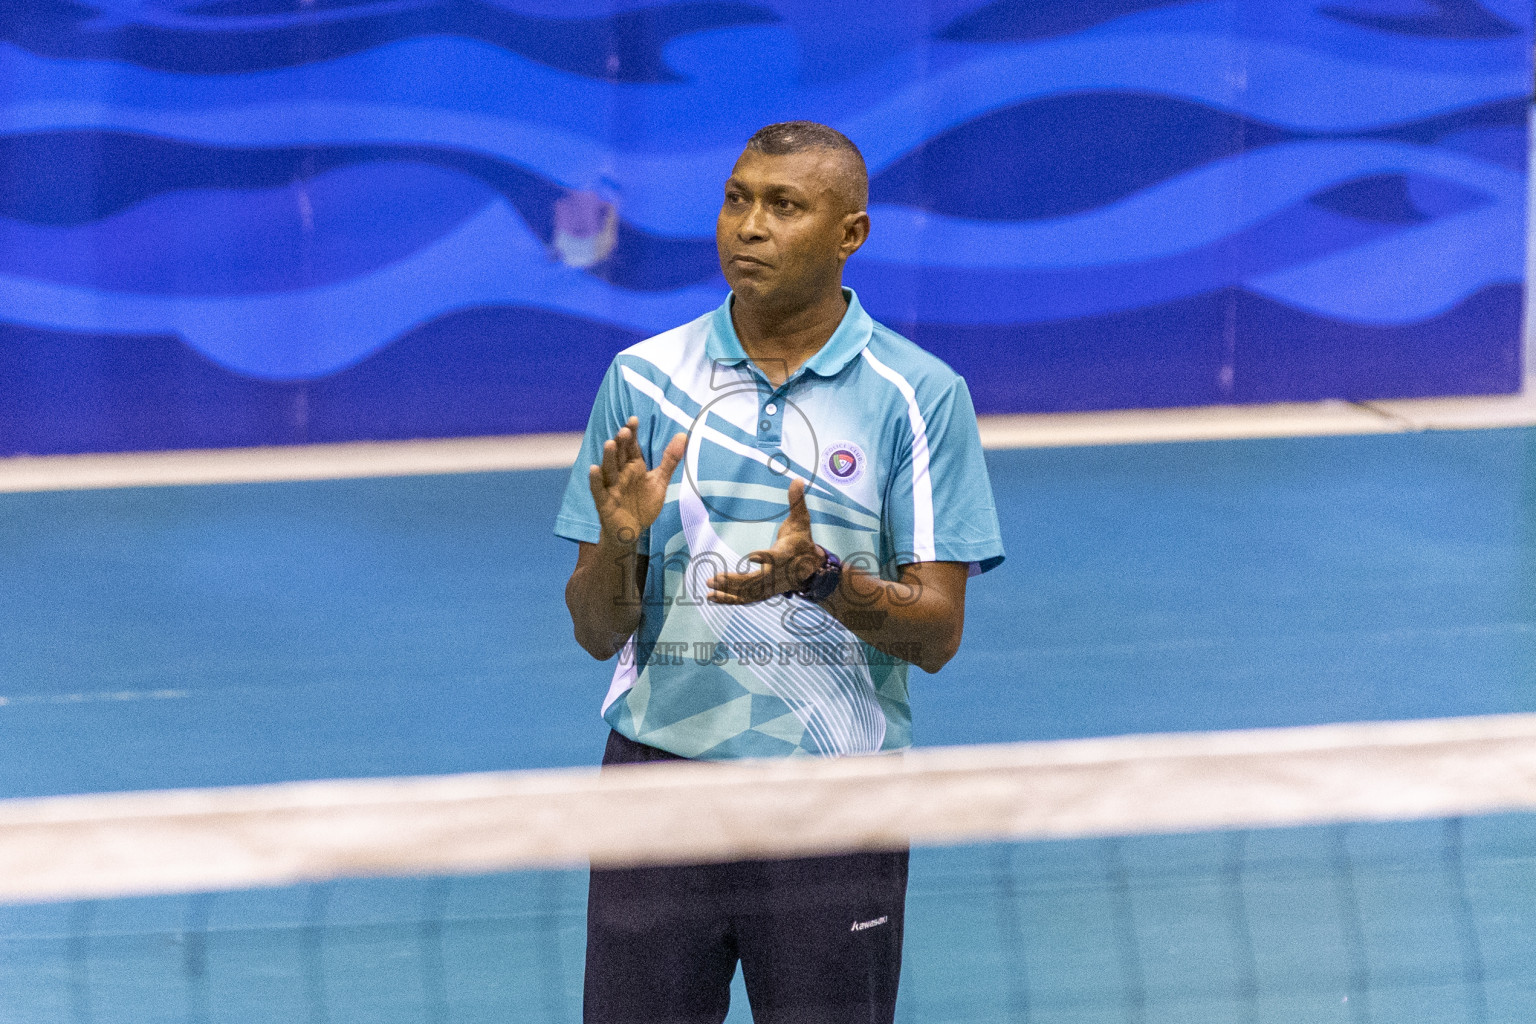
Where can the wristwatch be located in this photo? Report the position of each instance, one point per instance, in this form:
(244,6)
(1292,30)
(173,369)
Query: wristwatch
(823,581)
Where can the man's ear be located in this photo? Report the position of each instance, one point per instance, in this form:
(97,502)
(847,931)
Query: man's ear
(855,232)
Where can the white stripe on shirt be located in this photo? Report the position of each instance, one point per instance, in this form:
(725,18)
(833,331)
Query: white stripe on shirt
(651,390)
(922,484)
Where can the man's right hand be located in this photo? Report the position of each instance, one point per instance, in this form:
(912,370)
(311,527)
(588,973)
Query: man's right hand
(629,496)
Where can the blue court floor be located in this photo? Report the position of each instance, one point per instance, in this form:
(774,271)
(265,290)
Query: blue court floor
(220,635)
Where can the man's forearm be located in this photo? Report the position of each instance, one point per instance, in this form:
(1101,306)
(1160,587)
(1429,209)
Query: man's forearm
(901,618)
(603,596)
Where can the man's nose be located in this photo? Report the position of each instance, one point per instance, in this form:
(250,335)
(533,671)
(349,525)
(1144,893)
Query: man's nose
(754,226)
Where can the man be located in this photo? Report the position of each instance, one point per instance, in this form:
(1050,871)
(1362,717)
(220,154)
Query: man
(778,506)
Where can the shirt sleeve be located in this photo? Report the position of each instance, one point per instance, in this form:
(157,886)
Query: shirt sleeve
(578,513)
(939,505)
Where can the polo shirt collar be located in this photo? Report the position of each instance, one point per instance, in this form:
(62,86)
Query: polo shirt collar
(847,341)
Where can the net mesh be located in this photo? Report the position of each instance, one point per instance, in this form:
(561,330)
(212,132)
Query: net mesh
(1431,919)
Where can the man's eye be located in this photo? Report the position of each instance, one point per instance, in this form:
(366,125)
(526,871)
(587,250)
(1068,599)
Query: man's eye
(784,205)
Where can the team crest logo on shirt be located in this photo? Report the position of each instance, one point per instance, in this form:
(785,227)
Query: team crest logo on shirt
(843,461)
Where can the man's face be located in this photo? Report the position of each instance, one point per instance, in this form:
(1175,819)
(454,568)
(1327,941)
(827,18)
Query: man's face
(785,228)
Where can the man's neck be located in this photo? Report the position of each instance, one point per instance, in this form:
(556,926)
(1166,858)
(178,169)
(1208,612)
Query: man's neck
(779,342)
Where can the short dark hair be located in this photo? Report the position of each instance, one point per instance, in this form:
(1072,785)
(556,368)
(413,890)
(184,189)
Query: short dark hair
(797,136)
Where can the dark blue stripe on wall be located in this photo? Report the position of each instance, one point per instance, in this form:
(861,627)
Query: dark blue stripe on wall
(1066,154)
(482,371)
(1176,353)
(234,36)
(1104,146)
(73,178)
(1455,19)
(1288,355)
(1014,20)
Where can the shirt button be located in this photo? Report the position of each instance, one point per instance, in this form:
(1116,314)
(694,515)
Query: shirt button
(770,408)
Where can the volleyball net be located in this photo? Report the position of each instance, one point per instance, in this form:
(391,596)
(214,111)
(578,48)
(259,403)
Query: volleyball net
(1360,872)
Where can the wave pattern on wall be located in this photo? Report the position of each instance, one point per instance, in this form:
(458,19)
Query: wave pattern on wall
(288,220)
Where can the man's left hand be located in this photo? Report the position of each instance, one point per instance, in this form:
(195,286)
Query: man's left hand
(786,566)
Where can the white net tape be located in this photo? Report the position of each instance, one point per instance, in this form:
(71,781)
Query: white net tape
(211,839)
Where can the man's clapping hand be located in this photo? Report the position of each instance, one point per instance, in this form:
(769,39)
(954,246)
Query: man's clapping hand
(786,565)
(629,495)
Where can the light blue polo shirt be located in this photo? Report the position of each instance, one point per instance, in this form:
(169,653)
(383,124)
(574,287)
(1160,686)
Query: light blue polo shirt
(885,436)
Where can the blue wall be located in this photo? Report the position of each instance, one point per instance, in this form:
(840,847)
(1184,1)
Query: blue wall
(232,222)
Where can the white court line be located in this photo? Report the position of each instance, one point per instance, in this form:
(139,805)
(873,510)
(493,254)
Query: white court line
(558,451)
(194,840)
(297,462)
(114,696)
